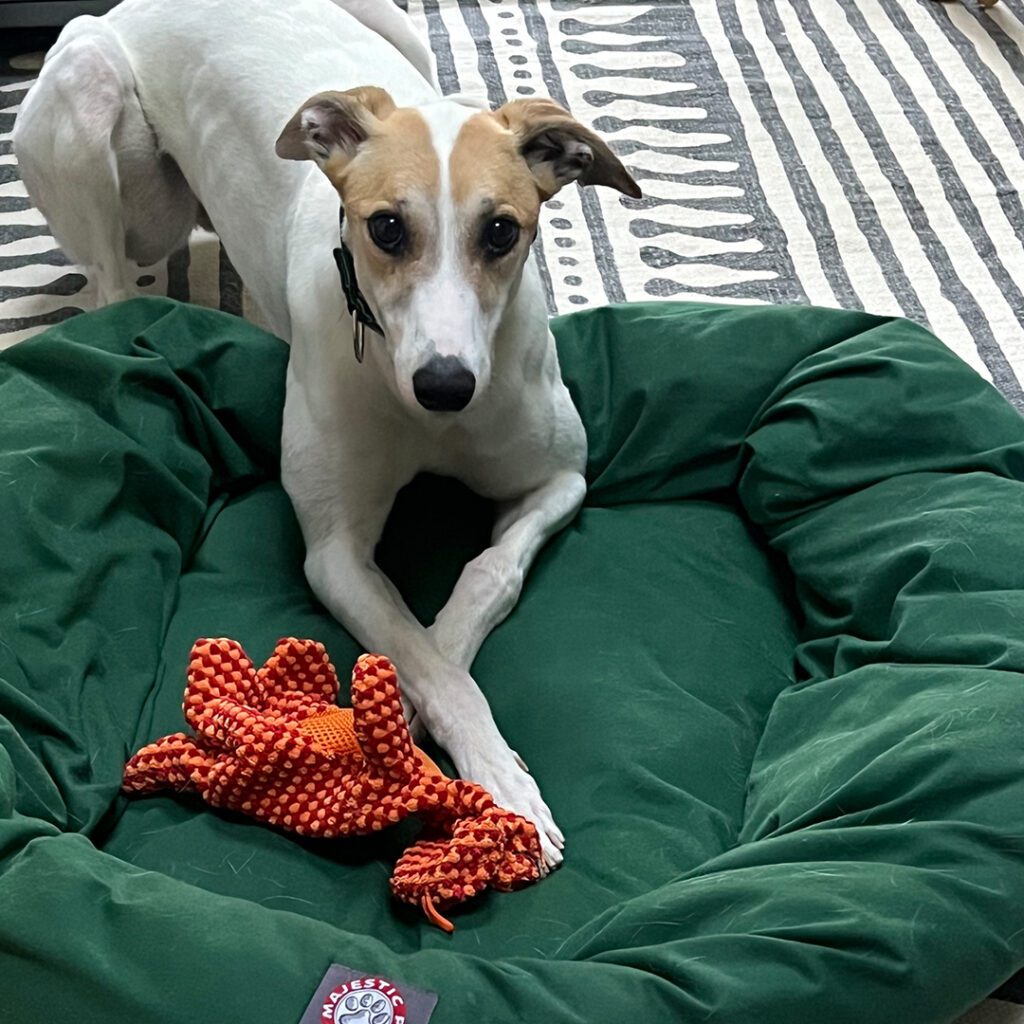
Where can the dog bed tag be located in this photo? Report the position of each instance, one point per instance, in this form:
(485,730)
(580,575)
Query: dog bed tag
(345,996)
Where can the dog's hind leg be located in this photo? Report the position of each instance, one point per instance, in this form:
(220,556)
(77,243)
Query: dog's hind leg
(90,162)
(394,25)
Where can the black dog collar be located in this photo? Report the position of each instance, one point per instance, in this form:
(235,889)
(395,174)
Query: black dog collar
(362,315)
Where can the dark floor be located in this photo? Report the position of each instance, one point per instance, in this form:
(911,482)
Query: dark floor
(17,41)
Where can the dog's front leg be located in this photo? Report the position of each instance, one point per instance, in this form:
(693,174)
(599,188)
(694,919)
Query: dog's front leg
(451,707)
(490,585)
(485,593)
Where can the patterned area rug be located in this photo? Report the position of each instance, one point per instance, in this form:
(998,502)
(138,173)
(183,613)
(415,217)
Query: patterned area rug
(862,154)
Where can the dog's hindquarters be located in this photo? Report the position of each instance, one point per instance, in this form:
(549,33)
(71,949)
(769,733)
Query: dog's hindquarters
(393,24)
(91,162)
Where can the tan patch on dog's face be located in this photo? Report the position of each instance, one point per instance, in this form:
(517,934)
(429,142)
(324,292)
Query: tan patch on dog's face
(485,164)
(397,171)
(396,160)
(489,180)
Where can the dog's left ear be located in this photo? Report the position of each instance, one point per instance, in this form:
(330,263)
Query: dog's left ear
(559,149)
(331,126)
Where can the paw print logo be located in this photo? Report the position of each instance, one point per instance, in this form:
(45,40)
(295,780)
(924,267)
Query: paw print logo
(368,1008)
(365,1001)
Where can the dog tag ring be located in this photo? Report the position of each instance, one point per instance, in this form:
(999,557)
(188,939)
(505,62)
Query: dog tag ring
(358,336)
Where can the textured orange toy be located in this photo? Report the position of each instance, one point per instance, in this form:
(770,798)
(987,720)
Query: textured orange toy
(273,744)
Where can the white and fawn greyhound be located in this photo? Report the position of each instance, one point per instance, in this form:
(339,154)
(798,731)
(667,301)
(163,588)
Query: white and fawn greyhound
(164,113)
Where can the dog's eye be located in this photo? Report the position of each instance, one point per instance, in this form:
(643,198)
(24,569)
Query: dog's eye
(387,231)
(500,235)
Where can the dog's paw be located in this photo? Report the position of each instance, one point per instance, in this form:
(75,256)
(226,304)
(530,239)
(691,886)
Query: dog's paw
(514,789)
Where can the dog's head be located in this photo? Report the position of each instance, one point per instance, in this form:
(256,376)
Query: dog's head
(441,205)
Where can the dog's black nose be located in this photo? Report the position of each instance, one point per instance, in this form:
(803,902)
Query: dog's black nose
(443,385)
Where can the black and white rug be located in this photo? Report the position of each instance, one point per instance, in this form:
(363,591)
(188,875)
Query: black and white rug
(862,153)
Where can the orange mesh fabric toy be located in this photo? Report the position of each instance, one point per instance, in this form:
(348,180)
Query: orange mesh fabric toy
(272,744)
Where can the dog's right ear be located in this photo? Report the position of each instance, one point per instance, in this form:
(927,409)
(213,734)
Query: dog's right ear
(331,126)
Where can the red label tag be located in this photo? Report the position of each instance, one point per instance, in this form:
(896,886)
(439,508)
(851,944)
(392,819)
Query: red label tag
(369,1000)
(345,996)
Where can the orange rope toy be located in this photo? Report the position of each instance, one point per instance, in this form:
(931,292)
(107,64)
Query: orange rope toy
(273,744)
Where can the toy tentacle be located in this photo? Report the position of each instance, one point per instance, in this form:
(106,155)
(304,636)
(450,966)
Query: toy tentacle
(299,667)
(219,668)
(464,799)
(452,801)
(174,761)
(496,848)
(227,725)
(378,719)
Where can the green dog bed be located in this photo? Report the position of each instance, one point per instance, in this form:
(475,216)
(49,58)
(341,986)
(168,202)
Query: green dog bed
(768,680)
